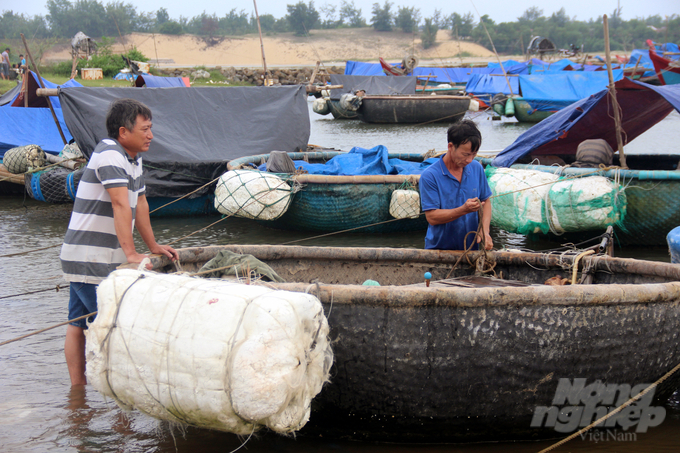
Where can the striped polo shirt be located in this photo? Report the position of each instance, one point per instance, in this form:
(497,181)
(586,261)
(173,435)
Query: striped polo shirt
(91,249)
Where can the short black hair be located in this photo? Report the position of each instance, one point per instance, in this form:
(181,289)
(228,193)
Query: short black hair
(465,131)
(123,113)
(6,48)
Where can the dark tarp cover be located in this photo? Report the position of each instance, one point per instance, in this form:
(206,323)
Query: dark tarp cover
(361,161)
(9,96)
(198,130)
(554,91)
(373,85)
(152,81)
(642,106)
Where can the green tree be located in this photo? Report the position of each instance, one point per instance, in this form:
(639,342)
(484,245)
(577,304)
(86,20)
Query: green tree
(302,17)
(429,35)
(461,26)
(12,25)
(328,11)
(162,16)
(350,15)
(170,28)
(407,19)
(382,17)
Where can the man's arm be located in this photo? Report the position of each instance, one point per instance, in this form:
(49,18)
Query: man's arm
(441,216)
(486,224)
(143,225)
(122,221)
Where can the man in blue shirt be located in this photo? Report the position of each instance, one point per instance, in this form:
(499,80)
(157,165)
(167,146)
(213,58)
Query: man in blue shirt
(453,189)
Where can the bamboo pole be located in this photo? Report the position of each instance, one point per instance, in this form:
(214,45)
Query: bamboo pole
(494,51)
(42,85)
(259,30)
(612,94)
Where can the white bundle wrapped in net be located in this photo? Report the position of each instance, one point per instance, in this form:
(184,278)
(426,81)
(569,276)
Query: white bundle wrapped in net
(18,160)
(536,201)
(252,195)
(208,353)
(405,204)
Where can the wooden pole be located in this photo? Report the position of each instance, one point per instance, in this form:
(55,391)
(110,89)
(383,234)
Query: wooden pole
(612,94)
(494,51)
(42,85)
(259,30)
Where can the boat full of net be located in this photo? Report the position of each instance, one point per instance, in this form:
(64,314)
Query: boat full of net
(363,203)
(650,182)
(468,356)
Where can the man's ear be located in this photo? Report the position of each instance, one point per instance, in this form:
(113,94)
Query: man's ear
(122,132)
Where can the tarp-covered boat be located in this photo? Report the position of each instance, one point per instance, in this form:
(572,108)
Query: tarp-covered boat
(353,192)
(652,182)
(342,102)
(668,71)
(470,357)
(196,132)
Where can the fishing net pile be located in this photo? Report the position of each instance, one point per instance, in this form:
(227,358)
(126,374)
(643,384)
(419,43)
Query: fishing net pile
(252,195)
(527,201)
(208,353)
(22,158)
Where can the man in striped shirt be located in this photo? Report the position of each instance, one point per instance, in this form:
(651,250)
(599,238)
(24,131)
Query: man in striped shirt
(110,202)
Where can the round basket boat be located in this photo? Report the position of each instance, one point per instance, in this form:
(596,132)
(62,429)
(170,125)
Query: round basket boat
(471,357)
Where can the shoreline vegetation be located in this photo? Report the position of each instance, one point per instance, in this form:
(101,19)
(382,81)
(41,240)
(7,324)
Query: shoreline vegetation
(175,55)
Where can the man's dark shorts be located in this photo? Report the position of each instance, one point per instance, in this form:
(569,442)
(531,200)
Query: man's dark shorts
(83,300)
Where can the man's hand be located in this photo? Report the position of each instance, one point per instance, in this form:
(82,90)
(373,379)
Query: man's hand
(137,258)
(165,250)
(488,242)
(472,205)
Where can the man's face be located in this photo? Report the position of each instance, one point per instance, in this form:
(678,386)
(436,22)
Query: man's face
(139,138)
(462,155)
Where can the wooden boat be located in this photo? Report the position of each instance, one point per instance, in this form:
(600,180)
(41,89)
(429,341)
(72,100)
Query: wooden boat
(470,357)
(667,71)
(413,108)
(330,203)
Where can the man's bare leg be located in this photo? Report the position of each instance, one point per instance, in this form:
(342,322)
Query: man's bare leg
(74,349)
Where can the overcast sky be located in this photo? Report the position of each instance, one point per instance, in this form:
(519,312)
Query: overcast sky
(498,10)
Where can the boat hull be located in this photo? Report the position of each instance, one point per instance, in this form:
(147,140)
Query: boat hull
(339,113)
(440,364)
(413,109)
(525,113)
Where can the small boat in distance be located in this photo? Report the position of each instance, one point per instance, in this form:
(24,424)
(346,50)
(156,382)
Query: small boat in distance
(668,71)
(414,109)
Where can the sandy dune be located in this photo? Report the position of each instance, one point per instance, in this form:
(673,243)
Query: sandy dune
(285,49)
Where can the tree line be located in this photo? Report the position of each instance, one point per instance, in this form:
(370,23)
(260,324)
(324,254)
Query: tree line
(96,19)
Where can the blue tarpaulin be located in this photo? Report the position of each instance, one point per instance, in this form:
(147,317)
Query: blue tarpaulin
(642,107)
(21,126)
(554,91)
(361,161)
(443,75)
(488,85)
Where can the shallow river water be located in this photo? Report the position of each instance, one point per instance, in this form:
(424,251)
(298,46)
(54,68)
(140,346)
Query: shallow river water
(40,413)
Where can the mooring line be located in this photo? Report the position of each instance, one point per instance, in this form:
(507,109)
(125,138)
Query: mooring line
(48,328)
(615,411)
(56,288)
